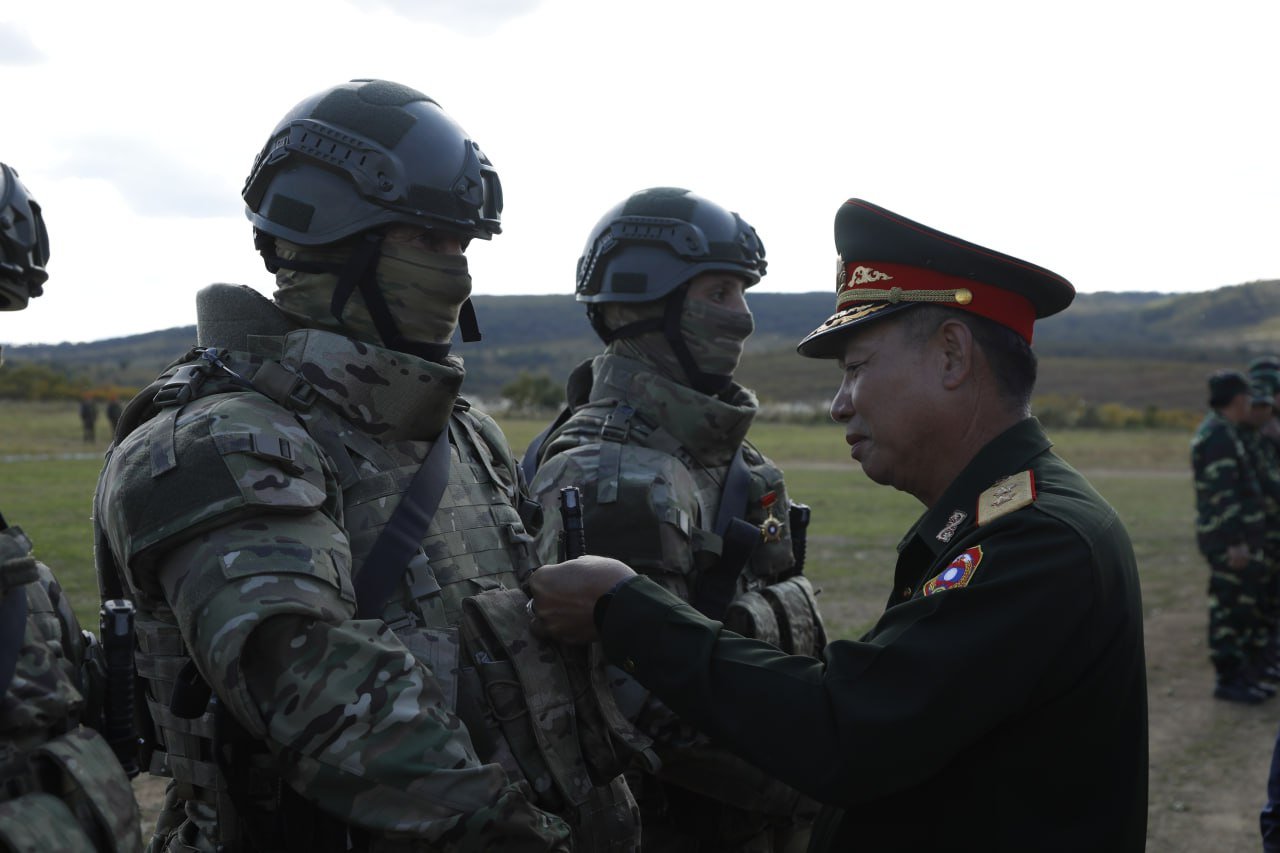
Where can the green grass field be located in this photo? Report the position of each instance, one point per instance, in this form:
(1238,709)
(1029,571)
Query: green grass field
(1197,746)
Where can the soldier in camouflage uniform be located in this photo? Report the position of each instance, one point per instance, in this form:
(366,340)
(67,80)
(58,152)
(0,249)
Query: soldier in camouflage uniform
(305,511)
(1230,523)
(1264,458)
(655,435)
(63,789)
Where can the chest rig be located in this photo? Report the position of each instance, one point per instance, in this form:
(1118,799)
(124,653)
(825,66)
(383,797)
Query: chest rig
(473,543)
(672,487)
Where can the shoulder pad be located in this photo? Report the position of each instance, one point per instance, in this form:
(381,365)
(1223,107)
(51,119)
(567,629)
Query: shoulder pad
(1005,496)
(232,455)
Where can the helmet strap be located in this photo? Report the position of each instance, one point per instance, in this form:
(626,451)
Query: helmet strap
(360,270)
(669,325)
(631,330)
(468,324)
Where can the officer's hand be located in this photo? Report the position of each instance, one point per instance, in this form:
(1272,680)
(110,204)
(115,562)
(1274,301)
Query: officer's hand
(565,596)
(1238,556)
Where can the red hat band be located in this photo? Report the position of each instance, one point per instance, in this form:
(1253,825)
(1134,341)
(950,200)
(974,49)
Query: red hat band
(863,281)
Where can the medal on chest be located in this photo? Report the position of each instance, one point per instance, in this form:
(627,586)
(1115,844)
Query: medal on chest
(771,527)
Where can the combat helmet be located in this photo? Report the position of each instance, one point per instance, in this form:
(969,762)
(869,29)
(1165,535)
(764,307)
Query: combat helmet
(361,155)
(24,243)
(650,247)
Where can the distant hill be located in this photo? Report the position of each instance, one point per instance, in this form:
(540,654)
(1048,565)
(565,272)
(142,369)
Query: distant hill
(1137,349)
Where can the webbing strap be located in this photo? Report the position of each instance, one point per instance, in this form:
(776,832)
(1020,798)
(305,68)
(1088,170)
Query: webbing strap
(719,582)
(733,497)
(529,463)
(13,627)
(400,539)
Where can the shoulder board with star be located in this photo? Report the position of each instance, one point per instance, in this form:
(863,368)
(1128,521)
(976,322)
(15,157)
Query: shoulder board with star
(1005,496)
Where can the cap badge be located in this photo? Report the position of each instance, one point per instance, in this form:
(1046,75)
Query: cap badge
(867,275)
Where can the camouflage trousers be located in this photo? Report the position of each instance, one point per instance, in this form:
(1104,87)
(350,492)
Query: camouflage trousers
(1238,629)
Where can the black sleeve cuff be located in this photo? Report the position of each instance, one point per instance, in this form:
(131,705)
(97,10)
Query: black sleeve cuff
(601,610)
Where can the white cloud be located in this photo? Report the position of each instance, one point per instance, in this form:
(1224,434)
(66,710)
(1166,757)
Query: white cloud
(17,48)
(153,181)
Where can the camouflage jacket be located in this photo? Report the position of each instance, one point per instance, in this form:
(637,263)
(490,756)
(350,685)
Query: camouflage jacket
(1264,459)
(63,788)
(663,467)
(1229,507)
(241,522)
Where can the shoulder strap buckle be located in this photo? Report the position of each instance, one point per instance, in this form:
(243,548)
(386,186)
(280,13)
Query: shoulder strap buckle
(617,424)
(182,386)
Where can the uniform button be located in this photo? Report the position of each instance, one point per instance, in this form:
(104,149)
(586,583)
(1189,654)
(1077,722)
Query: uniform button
(906,592)
(629,665)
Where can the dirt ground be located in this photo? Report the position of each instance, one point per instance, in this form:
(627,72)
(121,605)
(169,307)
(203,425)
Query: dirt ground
(1209,759)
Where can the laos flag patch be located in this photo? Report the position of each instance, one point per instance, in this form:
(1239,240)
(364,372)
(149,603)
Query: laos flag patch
(958,573)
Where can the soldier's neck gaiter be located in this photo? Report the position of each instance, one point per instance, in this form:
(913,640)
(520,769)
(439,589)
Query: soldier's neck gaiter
(715,337)
(423,290)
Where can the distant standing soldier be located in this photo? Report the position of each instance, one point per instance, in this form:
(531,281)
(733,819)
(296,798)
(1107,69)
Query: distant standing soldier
(1264,456)
(655,435)
(113,413)
(1230,523)
(61,787)
(89,418)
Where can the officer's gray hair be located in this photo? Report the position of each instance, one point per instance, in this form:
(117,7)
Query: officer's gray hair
(1012,361)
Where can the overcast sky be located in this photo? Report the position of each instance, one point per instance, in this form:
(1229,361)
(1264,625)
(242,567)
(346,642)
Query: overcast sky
(1125,145)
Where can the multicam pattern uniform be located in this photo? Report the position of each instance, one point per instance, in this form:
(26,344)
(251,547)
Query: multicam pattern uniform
(1229,511)
(63,789)
(651,486)
(239,524)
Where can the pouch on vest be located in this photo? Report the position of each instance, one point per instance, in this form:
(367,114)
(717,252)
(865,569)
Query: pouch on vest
(552,704)
(784,614)
(39,822)
(83,799)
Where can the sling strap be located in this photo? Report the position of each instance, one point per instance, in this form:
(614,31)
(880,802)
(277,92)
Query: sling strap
(719,582)
(403,535)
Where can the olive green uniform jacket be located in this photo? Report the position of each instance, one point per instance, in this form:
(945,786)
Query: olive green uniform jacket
(998,704)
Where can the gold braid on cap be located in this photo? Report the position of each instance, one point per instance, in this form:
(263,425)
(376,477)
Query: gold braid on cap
(894,295)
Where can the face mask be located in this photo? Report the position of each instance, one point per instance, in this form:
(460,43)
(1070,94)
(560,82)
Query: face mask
(715,336)
(424,291)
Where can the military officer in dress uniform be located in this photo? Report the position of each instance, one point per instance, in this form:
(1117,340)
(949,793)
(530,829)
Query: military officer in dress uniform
(1000,701)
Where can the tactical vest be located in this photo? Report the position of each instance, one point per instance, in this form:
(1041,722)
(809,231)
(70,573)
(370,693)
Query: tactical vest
(61,787)
(654,503)
(457,607)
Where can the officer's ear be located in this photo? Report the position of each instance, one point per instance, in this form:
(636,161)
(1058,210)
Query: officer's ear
(957,351)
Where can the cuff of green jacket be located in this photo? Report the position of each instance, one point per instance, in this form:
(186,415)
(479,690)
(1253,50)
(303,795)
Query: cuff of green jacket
(633,625)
